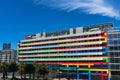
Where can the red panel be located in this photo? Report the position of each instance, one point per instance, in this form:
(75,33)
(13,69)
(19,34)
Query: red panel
(18,44)
(104,34)
(102,76)
(96,63)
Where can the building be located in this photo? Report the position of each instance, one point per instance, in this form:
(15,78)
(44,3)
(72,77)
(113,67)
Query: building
(78,53)
(6,46)
(114,51)
(7,54)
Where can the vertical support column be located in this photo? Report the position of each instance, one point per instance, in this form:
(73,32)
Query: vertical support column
(89,75)
(109,75)
(67,75)
(102,76)
(78,76)
(67,72)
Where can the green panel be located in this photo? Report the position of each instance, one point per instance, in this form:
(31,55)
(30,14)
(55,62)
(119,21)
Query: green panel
(74,69)
(106,59)
(84,69)
(70,69)
(73,58)
(18,52)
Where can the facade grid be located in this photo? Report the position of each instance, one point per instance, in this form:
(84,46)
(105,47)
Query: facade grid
(80,53)
(114,49)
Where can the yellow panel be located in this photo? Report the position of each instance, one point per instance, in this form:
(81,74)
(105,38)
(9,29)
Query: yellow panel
(99,70)
(24,48)
(79,64)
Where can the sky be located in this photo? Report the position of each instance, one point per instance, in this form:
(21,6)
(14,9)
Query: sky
(21,17)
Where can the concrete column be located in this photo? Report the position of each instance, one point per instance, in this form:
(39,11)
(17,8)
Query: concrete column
(79,30)
(109,75)
(44,34)
(71,31)
(38,35)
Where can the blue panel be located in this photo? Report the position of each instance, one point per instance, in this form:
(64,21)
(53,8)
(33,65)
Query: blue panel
(89,76)
(78,76)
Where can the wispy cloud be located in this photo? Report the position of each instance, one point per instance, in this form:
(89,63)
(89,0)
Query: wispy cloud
(100,7)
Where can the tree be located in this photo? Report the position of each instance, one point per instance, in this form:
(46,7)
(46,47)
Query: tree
(22,69)
(29,69)
(43,70)
(0,67)
(13,67)
(36,66)
(4,69)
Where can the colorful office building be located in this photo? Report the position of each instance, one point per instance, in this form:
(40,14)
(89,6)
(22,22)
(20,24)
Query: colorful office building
(75,53)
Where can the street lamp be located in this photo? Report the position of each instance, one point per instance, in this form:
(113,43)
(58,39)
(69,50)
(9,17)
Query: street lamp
(58,72)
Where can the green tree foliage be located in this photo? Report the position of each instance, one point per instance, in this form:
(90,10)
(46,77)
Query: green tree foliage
(0,67)
(36,66)
(13,67)
(4,69)
(22,68)
(43,70)
(29,69)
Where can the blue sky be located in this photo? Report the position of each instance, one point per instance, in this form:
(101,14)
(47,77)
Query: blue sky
(21,17)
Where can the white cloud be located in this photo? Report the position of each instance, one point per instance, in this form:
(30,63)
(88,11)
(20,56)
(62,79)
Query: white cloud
(100,7)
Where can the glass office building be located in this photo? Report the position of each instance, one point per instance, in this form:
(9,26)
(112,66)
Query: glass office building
(114,51)
(76,53)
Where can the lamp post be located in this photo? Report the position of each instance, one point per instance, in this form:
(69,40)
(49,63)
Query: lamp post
(58,71)
(59,75)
